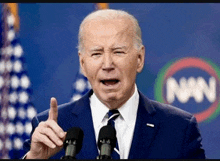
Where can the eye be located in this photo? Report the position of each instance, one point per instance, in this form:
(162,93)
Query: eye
(96,54)
(119,52)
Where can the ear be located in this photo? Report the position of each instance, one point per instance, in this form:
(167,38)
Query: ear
(82,65)
(140,59)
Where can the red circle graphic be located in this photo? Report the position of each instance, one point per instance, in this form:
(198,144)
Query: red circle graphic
(196,63)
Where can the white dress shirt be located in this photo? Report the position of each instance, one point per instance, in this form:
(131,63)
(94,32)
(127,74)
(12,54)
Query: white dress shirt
(124,124)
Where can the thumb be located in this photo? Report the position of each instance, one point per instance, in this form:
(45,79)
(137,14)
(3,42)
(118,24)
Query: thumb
(53,112)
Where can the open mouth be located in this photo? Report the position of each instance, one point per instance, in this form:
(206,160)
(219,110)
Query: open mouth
(110,82)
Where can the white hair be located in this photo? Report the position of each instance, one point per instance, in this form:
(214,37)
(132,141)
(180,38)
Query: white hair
(110,14)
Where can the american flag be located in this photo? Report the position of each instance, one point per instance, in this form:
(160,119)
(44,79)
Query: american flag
(15,89)
(81,85)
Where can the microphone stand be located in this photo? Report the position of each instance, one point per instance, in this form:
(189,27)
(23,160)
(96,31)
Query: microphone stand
(103,157)
(70,150)
(105,150)
(67,157)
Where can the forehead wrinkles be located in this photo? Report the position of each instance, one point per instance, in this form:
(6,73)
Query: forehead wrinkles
(119,31)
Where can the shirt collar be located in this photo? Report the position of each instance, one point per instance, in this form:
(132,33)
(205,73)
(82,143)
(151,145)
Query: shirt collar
(99,110)
(128,110)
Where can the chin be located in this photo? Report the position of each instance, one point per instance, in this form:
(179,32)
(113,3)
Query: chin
(111,97)
(114,97)
(108,97)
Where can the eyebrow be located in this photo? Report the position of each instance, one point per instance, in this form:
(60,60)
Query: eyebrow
(112,48)
(119,47)
(97,49)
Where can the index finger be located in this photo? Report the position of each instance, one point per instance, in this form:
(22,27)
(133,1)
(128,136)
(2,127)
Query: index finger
(53,112)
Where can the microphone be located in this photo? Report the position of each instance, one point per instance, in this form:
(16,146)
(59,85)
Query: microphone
(73,142)
(106,141)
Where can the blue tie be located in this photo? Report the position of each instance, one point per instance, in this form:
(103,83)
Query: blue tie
(112,115)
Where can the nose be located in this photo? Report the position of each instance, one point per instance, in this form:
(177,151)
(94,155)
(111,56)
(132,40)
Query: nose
(108,64)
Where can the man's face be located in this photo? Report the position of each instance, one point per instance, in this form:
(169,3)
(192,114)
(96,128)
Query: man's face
(110,60)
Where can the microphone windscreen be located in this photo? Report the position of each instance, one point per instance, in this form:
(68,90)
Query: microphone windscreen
(107,133)
(75,133)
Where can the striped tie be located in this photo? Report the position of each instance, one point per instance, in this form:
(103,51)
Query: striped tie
(113,114)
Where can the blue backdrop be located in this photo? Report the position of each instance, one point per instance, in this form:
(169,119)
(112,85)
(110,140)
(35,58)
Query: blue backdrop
(171,32)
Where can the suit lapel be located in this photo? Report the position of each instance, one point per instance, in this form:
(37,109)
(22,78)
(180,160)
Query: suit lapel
(82,113)
(145,129)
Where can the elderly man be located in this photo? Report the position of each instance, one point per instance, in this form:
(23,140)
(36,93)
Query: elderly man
(111,54)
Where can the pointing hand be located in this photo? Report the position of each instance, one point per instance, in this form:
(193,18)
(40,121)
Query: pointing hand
(48,137)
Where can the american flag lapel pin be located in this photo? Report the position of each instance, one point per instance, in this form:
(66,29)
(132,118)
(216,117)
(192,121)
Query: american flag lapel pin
(150,125)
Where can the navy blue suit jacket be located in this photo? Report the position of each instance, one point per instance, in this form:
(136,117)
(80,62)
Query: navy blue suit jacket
(175,133)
